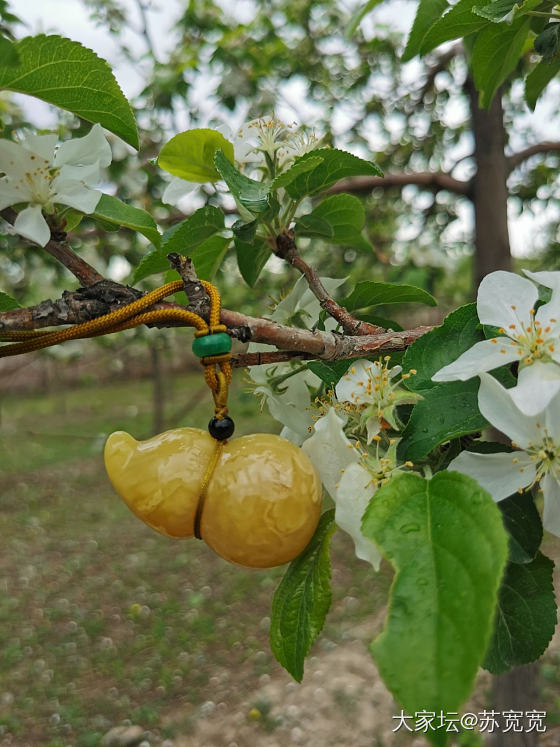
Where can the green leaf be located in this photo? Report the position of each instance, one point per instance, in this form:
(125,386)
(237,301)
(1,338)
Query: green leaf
(380,321)
(495,55)
(448,410)
(8,52)
(523,524)
(341,218)
(251,194)
(547,42)
(334,165)
(459,21)
(428,13)
(114,211)
(190,155)
(526,615)
(182,238)
(297,168)
(312,225)
(330,372)
(442,345)
(302,600)
(506,11)
(7,303)
(66,74)
(251,258)
(446,541)
(369,293)
(244,231)
(208,256)
(538,79)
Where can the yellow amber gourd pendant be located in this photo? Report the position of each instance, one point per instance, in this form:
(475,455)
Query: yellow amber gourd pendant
(261,495)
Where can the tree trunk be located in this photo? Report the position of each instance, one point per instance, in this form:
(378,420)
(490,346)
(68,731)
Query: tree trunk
(517,690)
(157,390)
(492,250)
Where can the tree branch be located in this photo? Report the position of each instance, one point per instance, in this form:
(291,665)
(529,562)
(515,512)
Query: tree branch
(286,249)
(436,181)
(80,306)
(547,146)
(61,250)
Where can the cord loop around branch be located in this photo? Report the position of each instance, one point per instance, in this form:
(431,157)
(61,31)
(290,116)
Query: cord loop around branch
(217,368)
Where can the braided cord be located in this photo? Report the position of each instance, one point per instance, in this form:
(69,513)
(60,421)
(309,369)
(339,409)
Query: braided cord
(217,368)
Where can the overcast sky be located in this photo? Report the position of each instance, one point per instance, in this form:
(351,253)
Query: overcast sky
(70,18)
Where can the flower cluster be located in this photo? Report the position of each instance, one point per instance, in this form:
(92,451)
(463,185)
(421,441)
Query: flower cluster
(529,412)
(350,434)
(40,175)
(265,145)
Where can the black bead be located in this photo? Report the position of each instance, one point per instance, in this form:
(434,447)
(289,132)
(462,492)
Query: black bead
(221,429)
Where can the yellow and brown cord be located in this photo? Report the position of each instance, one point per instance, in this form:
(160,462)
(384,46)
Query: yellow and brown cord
(217,367)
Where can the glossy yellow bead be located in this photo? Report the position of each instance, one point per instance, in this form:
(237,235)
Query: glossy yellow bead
(263,500)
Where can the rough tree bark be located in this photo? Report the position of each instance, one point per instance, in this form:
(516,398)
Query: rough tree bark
(519,689)
(489,188)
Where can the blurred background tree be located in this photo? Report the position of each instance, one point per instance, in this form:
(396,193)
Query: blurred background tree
(452,170)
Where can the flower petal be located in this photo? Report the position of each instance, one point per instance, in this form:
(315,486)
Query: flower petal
(291,407)
(31,224)
(329,450)
(548,279)
(84,150)
(551,513)
(482,356)
(496,473)
(9,195)
(17,163)
(81,198)
(552,418)
(176,189)
(373,426)
(537,384)
(353,386)
(500,410)
(41,145)
(505,298)
(89,175)
(352,497)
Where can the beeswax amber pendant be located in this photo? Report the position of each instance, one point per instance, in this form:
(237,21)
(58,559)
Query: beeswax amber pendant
(262,502)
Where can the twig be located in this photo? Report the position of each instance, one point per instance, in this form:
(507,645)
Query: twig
(286,249)
(245,360)
(82,270)
(195,291)
(513,161)
(435,180)
(61,250)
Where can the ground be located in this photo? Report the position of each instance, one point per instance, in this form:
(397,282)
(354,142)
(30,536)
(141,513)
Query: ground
(104,622)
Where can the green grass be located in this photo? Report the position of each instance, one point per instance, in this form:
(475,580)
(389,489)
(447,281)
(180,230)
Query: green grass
(102,619)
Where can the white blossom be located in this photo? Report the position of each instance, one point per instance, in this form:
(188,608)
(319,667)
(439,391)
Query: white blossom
(536,460)
(349,483)
(254,143)
(368,387)
(40,175)
(288,401)
(532,338)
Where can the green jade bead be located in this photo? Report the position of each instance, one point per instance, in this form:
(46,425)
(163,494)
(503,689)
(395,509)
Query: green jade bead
(216,344)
